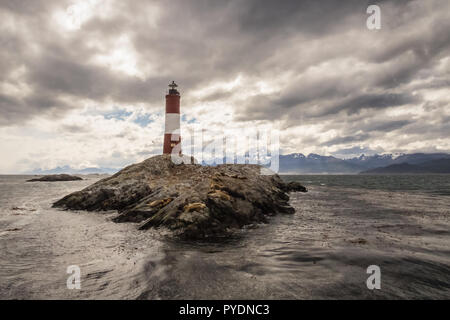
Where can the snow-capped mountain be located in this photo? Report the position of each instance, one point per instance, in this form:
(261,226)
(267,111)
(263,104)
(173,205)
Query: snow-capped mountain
(314,163)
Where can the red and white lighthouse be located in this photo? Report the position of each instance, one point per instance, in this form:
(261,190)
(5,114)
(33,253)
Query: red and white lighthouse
(172,134)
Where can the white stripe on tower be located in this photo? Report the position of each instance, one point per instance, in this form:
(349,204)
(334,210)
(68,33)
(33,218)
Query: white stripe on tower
(172,123)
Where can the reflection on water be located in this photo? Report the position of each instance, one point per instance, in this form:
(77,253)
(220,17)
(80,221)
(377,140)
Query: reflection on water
(320,252)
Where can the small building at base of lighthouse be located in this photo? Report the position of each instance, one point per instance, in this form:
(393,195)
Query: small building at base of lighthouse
(172,134)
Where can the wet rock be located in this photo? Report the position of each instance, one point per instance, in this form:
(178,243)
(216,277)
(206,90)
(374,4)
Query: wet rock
(13,229)
(17,208)
(193,201)
(294,186)
(56,177)
(358,241)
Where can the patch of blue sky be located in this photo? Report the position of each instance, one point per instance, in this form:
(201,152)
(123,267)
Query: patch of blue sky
(185,119)
(120,114)
(143,119)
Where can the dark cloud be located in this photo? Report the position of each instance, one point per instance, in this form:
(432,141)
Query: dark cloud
(29,7)
(346,139)
(375,101)
(11,109)
(57,74)
(388,126)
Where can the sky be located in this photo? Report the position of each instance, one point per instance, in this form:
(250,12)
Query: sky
(82,83)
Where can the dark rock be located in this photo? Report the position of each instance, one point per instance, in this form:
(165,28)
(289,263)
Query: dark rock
(294,186)
(358,241)
(56,177)
(13,229)
(192,200)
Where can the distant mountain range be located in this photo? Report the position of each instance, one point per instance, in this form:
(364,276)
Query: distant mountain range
(70,170)
(297,163)
(433,166)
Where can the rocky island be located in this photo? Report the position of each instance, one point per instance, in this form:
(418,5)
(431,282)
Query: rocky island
(192,200)
(56,177)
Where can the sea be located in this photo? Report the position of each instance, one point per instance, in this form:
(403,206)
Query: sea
(351,237)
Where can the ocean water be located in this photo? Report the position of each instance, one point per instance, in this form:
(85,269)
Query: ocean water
(341,226)
(432,184)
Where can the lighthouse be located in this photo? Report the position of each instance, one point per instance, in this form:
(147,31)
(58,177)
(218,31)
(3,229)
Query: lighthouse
(172,137)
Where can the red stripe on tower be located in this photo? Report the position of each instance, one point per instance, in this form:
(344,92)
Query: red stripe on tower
(172,134)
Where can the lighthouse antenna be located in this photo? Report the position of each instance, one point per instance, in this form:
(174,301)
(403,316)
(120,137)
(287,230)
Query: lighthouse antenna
(173,85)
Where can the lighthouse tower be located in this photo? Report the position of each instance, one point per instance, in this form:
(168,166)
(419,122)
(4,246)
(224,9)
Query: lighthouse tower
(172,133)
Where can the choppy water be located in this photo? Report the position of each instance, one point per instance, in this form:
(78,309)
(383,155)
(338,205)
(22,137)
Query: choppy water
(432,184)
(340,228)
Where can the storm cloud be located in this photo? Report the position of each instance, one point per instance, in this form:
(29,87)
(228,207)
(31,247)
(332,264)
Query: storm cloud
(310,68)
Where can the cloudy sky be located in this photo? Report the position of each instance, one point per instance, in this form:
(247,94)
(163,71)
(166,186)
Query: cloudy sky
(82,83)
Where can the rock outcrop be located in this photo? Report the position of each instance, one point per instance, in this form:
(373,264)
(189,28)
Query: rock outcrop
(192,200)
(56,177)
(294,186)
